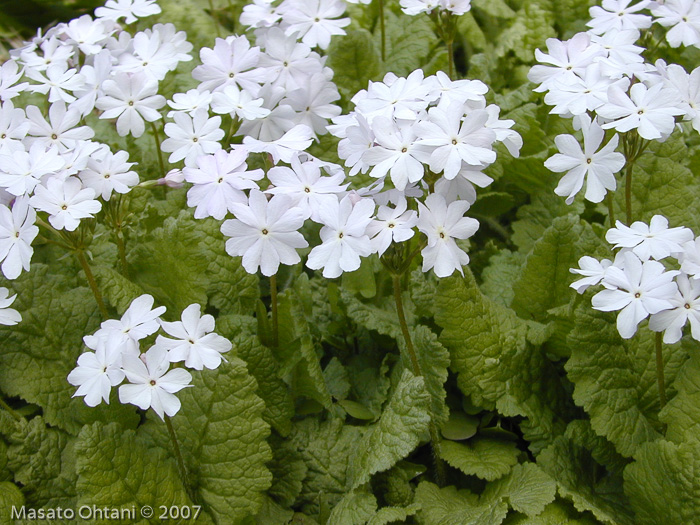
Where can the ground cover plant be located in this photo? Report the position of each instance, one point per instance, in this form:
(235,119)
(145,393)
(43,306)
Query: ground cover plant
(359,262)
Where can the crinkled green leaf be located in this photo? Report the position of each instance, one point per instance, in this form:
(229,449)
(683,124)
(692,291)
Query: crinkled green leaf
(527,489)
(408,42)
(355,508)
(615,380)
(682,413)
(387,515)
(532,26)
(355,60)
(184,262)
(485,458)
(396,484)
(449,506)
(423,287)
(495,8)
(544,281)
(603,451)
(403,424)
(279,407)
(383,320)
(460,426)
(273,514)
(336,378)
(326,448)
(288,472)
(663,484)
(223,437)
(560,512)
(10,497)
(579,479)
(116,289)
(370,381)
(42,460)
(39,353)
(498,277)
(118,469)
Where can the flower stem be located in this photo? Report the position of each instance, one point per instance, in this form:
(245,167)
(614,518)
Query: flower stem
(273,304)
(450,59)
(10,410)
(660,369)
(382,28)
(160,153)
(628,193)
(416,368)
(611,210)
(80,254)
(178,456)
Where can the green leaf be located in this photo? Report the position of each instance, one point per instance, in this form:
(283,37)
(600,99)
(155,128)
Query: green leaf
(356,508)
(495,8)
(527,489)
(355,60)
(184,262)
(396,485)
(383,320)
(118,469)
(273,514)
(39,353)
(279,406)
(326,448)
(409,40)
(370,381)
(498,277)
(682,413)
(485,458)
(558,513)
(10,497)
(544,281)
(403,424)
(460,426)
(615,379)
(357,410)
(387,515)
(578,479)
(288,472)
(663,483)
(116,289)
(532,26)
(223,440)
(336,378)
(449,506)
(42,460)
(581,434)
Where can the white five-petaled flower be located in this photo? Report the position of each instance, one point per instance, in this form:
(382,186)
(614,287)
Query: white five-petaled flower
(392,225)
(97,372)
(8,316)
(344,236)
(109,173)
(194,343)
(593,272)
(686,307)
(639,289)
(153,385)
(315,21)
(190,137)
(17,231)
(130,10)
(133,97)
(442,224)
(655,240)
(66,202)
(596,168)
(265,232)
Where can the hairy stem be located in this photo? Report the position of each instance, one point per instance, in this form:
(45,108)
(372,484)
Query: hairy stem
(382,28)
(80,254)
(628,193)
(611,210)
(415,365)
(450,59)
(178,456)
(660,369)
(10,410)
(273,304)
(160,153)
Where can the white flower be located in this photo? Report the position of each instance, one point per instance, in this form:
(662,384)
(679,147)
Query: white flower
(619,15)
(193,343)
(344,236)
(442,224)
(60,131)
(190,137)
(683,17)
(265,233)
(21,171)
(639,289)
(315,21)
(392,225)
(218,183)
(139,321)
(686,307)
(232,62)
(191,101)
(690,258)
(97,373)
(284,148)
(239,103)
(592,270)
(8,316)
(66,202)
(152,385)
(17,231)
(129,9)
(109,173)
(655,240)
(596,168)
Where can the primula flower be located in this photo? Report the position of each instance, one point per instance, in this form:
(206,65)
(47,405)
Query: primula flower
(685,307)
(17,231)
(638,289)
(619,15)
(130,10)
(232,62)
(97,373)
(265,232)
(109,173)
(344,236)
(8,316)
(153,385)
(596,168)
(239,103)
(683,17)
(193,343)
(442,224)
(592,270)
(315,21)
(690,258)
(392,225)
(190,137)
(66,202)
(21,171)
(655,240)
(60,130)
(132,97)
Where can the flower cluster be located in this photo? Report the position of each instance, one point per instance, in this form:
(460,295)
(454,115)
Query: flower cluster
(152,383)
(601,79)
(640,286)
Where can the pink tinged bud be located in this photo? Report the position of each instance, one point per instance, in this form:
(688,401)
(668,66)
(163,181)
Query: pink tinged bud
(172,179)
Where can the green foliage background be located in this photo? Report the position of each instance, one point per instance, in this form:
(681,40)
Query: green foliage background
(547,415)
